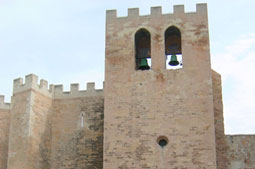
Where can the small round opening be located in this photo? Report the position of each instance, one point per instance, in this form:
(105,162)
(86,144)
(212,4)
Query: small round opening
(162,141)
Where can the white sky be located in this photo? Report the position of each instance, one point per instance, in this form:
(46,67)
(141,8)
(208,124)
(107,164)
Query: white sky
(62,41)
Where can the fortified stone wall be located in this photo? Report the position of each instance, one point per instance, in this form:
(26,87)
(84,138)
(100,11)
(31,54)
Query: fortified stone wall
(59,139)
(77,128)
(54,129)
(29,143)
(40,126)
(219,122)
(47,128)
(241,151)
(4,131)
(233,151)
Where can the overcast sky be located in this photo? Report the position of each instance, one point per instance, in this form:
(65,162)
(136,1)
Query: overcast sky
(63,42)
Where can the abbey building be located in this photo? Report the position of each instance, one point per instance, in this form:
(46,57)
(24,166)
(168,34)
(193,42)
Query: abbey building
(161,106)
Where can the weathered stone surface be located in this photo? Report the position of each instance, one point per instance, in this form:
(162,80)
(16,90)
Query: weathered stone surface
(241,151)
(47,131)
(221,147)
(29,144)
(119,127)
(19,131)
(5,118)
(77,144)
(141,106)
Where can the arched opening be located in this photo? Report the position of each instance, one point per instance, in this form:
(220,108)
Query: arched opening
(143,49)
(173,48)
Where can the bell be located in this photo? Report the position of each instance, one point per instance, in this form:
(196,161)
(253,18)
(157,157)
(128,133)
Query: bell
(173,61)
(143,65)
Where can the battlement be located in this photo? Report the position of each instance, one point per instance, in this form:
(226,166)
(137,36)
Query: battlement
(31,82)
(4,105)
(56,91)
(75,92)
(201,9)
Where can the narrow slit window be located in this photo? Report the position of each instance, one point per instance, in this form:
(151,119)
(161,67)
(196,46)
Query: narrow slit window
(143,50)
(82,119)
(173,48)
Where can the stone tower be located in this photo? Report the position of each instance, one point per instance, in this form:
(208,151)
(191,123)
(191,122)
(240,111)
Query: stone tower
(161,106)
(158,117)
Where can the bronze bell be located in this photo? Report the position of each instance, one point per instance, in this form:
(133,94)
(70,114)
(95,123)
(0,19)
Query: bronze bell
(173,61)
(143,65)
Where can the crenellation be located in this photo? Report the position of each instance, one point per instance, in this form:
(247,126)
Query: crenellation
(1,98)
(133,12)
(201,8)
(43,83)
(156,11)
(58,88)
(17,82)
(179,9)
(111,14)
(51,88)
(91,86)
(75,92)
(31,79)
(3,104)
(31,82)
(150,115)
(74,88)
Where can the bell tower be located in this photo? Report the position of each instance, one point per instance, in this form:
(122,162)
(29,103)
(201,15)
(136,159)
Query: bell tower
(157,117)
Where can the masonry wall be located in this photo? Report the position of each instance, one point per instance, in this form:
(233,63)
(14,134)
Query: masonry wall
(29,143)
(221,146)
(233,151)
(18,142)
(241,151)
(5,118)
(141,106)
(46,128)
(40,126)
(77,128)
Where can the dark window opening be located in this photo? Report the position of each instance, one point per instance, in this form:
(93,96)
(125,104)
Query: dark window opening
(143,50)
(173,48)
(162,141)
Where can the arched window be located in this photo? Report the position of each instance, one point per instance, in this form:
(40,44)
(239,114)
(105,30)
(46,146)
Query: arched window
(143,49)
(173,48)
